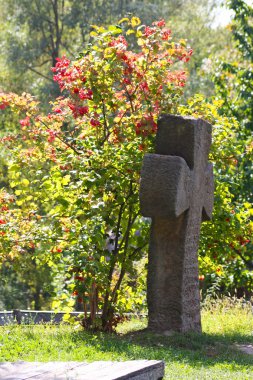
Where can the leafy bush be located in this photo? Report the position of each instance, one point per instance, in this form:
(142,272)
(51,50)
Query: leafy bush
(74,173)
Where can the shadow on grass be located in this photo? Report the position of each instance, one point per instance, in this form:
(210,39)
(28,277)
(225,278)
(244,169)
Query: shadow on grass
(197,350)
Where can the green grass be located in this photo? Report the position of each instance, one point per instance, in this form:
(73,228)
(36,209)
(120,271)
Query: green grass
(211,355)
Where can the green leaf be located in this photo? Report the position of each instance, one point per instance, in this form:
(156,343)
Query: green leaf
(25,182)
(66,179)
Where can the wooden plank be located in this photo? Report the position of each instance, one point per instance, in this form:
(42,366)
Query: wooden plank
(100,370)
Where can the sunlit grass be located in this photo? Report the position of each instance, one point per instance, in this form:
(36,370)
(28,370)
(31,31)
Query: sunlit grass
(211,355)
(228,316)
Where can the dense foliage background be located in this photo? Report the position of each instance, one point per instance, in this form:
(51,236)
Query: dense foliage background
(74,200)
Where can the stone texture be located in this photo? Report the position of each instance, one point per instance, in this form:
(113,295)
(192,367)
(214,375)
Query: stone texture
(245,348)
(176,190)
(164,187)
(134,370)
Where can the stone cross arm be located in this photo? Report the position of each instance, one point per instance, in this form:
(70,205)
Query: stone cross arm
(165,186)
(168,185)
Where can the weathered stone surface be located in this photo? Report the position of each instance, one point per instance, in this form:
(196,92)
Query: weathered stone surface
(164,187)
(245,348)
(177,192)
(209,191)
(134,370)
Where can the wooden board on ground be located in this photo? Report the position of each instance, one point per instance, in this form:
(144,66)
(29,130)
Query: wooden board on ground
(100,370)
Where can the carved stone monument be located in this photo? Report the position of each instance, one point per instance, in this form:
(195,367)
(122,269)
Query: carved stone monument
(176,191)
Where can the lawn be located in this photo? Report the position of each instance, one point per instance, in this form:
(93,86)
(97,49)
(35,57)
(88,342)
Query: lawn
(211,355)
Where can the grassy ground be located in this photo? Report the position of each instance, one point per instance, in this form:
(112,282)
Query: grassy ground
(212,355)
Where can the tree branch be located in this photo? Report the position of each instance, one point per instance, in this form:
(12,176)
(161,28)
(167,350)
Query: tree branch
(40,74)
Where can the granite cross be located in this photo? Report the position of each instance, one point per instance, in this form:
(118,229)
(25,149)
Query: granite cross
(176,191)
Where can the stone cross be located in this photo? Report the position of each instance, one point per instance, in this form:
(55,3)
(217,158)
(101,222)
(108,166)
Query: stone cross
(176,191)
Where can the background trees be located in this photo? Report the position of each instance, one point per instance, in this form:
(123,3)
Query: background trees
(35,33)
(233,78)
